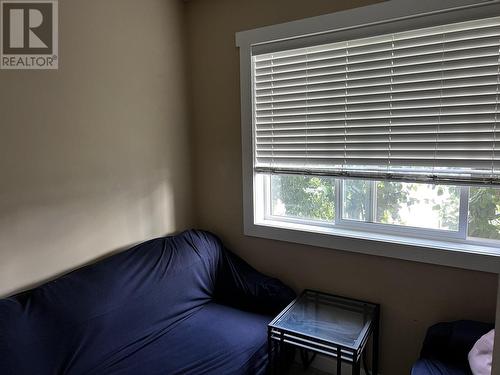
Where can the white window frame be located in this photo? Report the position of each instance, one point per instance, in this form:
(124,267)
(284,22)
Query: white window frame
(398,242)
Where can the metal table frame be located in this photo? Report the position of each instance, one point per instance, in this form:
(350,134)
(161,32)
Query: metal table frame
(278,337)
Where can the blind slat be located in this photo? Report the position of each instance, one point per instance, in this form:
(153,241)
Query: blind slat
(420,104)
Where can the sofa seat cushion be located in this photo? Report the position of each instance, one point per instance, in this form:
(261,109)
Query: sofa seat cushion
(216,339)
(435,367)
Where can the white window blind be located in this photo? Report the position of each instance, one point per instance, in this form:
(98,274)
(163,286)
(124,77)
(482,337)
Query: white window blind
(417,105)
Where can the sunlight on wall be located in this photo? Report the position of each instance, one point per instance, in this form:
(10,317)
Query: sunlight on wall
(96,158)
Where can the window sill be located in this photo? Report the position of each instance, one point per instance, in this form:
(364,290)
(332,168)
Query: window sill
(453,254)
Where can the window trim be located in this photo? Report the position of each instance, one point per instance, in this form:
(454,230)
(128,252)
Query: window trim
(452,254)
(377,17)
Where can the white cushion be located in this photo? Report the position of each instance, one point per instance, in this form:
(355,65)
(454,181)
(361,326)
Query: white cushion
(481,354)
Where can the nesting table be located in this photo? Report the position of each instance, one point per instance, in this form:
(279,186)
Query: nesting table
(321,323)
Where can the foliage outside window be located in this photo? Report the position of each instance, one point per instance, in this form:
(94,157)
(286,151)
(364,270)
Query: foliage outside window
(391,203)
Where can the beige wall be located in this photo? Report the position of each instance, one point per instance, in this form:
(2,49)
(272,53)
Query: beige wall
(413,295)
(94,156)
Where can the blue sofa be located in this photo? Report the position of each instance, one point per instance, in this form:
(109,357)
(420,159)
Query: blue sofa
(173,305)
(446,347)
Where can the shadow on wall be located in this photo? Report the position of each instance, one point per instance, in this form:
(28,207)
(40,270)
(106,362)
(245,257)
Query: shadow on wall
(69,226)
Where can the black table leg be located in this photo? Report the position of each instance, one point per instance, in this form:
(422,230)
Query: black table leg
(375,341)
(339,361)
(364,363)
(281,354)
(356,366)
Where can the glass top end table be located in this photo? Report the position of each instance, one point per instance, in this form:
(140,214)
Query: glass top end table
(323,323)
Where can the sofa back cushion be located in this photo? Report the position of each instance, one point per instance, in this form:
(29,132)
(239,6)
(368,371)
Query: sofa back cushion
(109,309)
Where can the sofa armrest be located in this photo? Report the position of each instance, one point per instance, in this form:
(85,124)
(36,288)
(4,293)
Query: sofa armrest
(450,342)
(241,286)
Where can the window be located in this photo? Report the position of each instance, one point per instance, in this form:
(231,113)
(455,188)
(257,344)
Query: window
(412,205)
(359,132)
